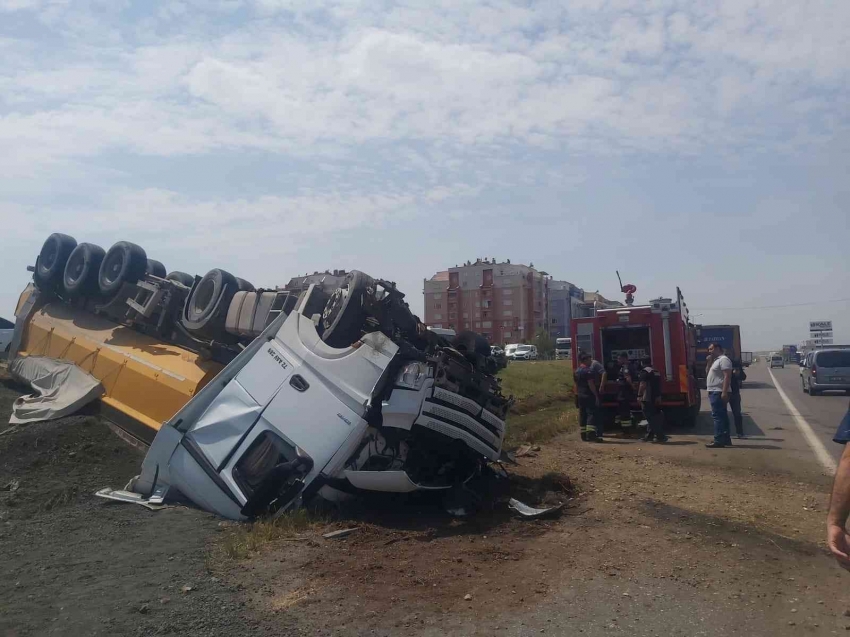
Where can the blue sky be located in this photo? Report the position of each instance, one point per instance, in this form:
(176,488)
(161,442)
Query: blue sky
(703,145)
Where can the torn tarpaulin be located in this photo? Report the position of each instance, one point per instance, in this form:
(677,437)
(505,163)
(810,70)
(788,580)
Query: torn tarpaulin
(61,388)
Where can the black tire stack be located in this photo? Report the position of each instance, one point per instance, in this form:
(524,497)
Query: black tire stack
(206,308)
(85,270)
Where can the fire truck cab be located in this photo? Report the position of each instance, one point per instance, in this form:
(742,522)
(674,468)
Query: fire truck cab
(659,331)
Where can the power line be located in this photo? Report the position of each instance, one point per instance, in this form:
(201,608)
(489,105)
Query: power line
(769,307)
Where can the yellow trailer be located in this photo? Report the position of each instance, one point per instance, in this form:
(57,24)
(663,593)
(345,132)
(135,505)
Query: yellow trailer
(145,380)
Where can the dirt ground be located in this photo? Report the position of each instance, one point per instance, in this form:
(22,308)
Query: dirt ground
(654,541)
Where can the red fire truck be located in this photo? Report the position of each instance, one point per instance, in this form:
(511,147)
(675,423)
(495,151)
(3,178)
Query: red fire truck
(659,331)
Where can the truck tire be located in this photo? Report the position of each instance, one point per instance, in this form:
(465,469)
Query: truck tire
(124,263)
(83,269)
(343,316)
(207,306)
(181,277)
(245,286)
(155,268)
(50,265)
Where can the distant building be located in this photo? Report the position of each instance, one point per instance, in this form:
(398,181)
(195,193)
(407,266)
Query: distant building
(565,300)
(505,302)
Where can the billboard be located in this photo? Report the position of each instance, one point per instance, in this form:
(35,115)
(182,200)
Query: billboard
(820,326)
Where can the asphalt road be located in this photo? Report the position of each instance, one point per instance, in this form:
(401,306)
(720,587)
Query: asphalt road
(775,438)
(823,412)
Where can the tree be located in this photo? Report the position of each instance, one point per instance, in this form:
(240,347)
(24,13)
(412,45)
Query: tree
(545,343)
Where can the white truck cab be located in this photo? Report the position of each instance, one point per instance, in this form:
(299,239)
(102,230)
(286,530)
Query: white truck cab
(292,416)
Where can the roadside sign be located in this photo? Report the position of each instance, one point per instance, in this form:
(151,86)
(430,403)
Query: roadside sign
(820,326)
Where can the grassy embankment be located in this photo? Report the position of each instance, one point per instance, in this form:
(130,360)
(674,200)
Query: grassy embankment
(544,400)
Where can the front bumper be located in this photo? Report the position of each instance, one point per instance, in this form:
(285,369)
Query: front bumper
(843,386)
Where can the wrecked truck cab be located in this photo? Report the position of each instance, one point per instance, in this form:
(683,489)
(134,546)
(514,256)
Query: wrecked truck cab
(285,414)
(293,417)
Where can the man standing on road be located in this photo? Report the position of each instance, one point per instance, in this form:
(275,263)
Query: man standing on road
(839,504)
(717,383)
(587,397)
(738,377)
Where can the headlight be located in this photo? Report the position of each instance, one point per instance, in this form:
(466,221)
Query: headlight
(412,375)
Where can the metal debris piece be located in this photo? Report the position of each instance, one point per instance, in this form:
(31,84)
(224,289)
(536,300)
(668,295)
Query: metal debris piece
(525,450)
(335,535)
(12,486)
(531,513)
(154,503)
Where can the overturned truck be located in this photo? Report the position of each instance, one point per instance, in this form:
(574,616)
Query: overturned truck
(257,400)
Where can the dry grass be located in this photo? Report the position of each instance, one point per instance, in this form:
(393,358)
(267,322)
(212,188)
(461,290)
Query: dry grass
(544,400)
(242,540)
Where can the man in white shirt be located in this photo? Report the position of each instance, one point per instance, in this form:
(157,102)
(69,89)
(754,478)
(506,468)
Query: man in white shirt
(717,383)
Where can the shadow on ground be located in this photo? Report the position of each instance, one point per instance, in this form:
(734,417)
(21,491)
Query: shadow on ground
(727,530)
(485,504)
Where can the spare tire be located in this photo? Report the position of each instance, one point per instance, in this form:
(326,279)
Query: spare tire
(124,263)
(155,268)
(343,316)
(206,308)
(83,269)
(245,286)
(181,277)
(50,266)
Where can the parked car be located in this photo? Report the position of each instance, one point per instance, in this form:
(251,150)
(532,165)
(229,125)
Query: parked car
(7,330)
(525,353)
(825,370)
(776,360)
(510,350)
(499,355)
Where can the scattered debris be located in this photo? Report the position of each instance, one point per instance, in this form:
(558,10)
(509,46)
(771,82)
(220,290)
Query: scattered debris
(187,589)
(133,498)
(526,451)
(335,535)
(468,597)
(530,512)
(12,486)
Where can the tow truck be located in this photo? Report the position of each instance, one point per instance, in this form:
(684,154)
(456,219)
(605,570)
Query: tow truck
(254,401)
(661,331)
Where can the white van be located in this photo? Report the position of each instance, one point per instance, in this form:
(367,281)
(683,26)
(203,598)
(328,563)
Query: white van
(525,353)
(510,349)
(776,360)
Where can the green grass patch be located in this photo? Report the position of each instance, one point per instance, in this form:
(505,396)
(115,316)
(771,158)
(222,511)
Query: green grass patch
(544,400)
(242,540)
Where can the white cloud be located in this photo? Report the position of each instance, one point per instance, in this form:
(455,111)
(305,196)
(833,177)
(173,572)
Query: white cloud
(355,112)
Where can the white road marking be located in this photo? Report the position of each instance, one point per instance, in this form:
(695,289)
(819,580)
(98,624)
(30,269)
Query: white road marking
(808,433)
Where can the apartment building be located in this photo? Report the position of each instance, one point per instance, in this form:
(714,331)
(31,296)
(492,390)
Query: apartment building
(565,301)
(505,302)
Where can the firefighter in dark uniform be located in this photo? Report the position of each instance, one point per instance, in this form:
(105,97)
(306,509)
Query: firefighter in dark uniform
(649,396)
(587,397)
(626,378)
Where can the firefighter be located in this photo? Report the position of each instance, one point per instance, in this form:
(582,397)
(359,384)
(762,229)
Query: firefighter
(626,377)
(649,396)
(587,397)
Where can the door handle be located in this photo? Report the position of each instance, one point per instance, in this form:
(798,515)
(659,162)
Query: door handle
(298,383)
